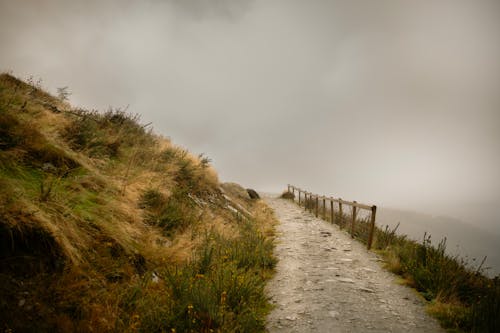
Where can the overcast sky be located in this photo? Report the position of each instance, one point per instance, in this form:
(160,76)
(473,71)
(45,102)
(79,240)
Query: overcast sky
(386,102)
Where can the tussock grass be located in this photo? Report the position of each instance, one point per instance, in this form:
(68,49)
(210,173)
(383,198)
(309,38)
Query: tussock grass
(105,226)
(460,296)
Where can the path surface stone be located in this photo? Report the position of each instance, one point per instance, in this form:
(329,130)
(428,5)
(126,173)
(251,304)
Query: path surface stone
(326,282)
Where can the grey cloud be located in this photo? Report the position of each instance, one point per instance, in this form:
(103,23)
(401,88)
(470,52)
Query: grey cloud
(381,101)
(209,9)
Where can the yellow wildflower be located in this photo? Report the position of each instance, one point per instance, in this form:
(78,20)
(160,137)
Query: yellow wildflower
(223,298)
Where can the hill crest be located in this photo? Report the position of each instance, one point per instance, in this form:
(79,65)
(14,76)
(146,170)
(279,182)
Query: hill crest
(94,205)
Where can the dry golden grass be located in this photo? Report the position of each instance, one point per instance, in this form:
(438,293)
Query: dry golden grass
(392,262)
(266,220)
(451,314)
(73,184)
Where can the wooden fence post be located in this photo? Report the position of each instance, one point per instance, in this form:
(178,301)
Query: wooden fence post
(316,206)
(372,227)
(305,200)
(299,197)
(312,201)
(324,208)
(332,213)
(288,188)
(353,219)
(341,214)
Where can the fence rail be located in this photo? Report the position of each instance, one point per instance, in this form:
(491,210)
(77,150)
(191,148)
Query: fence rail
(311,202)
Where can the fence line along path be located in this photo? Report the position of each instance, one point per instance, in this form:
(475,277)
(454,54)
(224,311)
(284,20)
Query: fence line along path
(360,228)
(327,282)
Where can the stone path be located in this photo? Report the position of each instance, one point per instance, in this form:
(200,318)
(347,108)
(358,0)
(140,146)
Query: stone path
(327,282)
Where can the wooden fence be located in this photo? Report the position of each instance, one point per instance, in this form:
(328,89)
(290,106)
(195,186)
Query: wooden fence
(311,202)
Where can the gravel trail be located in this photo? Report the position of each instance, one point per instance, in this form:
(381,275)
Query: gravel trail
(328,282)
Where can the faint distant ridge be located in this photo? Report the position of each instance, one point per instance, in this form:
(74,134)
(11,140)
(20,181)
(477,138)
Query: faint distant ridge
(460,297)
(466,240)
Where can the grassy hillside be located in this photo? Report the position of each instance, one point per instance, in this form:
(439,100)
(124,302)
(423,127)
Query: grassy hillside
(105,226)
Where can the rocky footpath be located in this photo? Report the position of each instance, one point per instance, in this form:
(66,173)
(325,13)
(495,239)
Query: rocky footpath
(328,282)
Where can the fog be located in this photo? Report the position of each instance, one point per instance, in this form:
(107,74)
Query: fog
(394,103)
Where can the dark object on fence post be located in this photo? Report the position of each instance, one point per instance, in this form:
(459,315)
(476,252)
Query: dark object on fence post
(332,217)
(299,197)
(252,194)
(353,219)
(317,206)
(341,215)
(324,208)
(372,226)
(288,188)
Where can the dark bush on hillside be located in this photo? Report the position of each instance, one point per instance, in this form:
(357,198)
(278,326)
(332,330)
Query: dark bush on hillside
(51,159)
(192,177)
(204,161)
(170,154)
(170,214)
(106,134)
(86,134)
(288,195)
(32,146)
(152,199)
(187,176)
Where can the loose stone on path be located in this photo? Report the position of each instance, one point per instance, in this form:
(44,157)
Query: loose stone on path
(326,282)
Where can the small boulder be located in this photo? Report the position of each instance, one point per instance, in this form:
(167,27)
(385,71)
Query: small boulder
(253,194)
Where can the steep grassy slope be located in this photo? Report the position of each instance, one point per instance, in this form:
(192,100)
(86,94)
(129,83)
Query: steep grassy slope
(105,226)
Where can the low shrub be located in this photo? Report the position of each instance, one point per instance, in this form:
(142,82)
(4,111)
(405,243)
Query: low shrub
(106,134)
(288,195)
(169,213)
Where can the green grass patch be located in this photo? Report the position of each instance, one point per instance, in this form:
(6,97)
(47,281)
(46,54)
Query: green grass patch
(220,290)
(172,213)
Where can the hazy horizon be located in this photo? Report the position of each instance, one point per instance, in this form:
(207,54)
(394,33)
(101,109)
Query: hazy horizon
(389,103)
